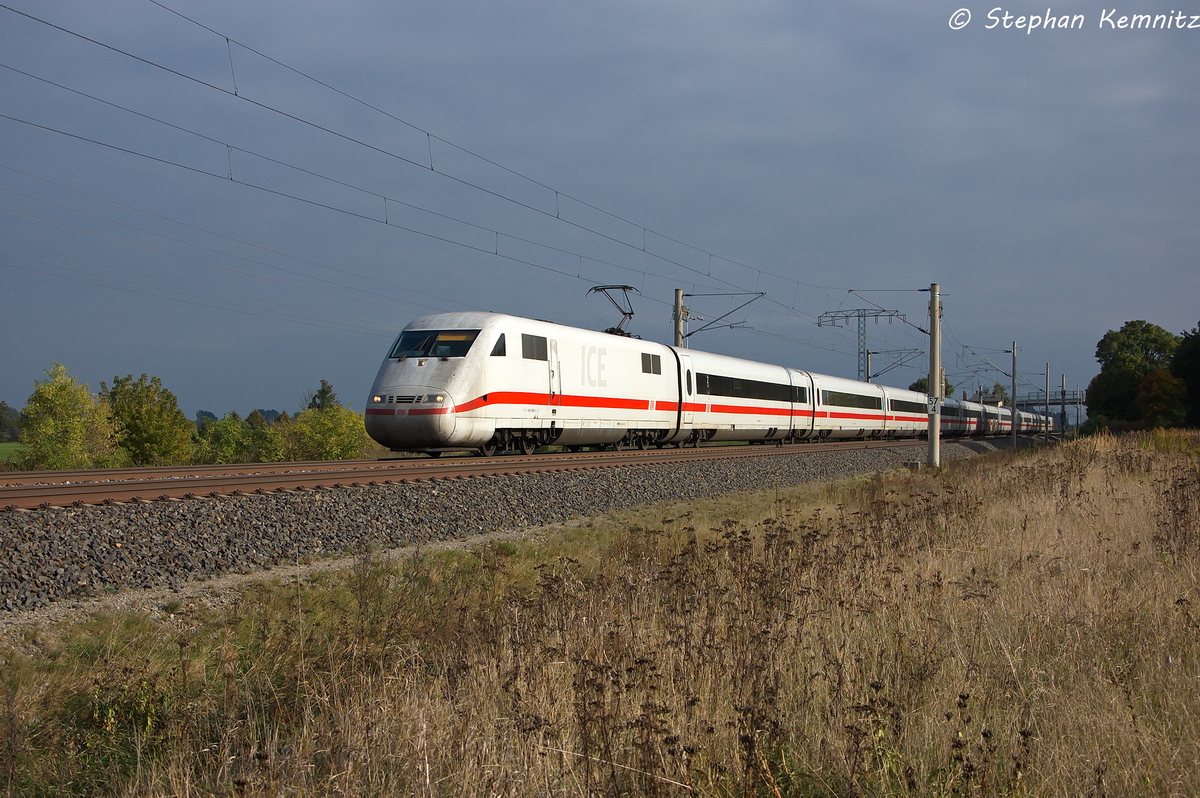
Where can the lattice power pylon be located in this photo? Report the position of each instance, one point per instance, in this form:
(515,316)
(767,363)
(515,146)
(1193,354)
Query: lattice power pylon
(834,317)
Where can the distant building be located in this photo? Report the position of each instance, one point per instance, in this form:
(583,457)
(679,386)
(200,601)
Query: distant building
(985,398)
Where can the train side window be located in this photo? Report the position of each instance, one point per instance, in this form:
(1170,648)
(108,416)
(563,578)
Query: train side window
(689,382)
(651,364)
(912,407)
(533,347)
(499,350)
(717,385)
(842,399)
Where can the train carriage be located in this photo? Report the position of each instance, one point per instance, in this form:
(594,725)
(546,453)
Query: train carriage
(907,413)
(848,409)
(508,381)
(954,418)
(488,381)
(728,399)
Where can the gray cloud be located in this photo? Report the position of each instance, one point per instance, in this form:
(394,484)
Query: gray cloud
(1047,181)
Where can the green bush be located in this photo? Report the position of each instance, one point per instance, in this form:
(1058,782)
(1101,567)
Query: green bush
(224,441)
(154,431)
(65,426)
(332,433)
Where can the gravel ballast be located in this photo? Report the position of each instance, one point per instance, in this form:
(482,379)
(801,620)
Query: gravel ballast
(63,553)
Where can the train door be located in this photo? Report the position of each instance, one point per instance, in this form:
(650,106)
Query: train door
(554,372)
(803,420)
(687,387)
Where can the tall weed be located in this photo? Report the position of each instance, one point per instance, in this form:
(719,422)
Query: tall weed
(1015,625)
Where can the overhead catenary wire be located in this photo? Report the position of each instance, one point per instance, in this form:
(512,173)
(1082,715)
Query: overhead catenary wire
(138,162)
(284,194)
(789,309)
(401,158)
(230,147)
(143,291)
(321,205)
(947,329)
(327,206)
(358,300)
(176,255)
(430,136)
(309,312)
(243,242)
(1022,381)
(217,303)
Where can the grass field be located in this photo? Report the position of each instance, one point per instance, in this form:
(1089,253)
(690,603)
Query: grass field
(1013,625)
(8,451)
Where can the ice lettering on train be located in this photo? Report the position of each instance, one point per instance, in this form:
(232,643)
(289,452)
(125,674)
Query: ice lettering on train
(593,367)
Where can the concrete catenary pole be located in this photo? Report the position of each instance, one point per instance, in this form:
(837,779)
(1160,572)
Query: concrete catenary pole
(1015,410)
(1078,406)
(935,376)
(678,319)
(1062,414)
(1046,421)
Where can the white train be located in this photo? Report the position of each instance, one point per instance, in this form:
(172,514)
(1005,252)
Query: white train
(489,382)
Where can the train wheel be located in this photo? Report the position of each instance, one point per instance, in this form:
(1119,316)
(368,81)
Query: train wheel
(526,445)
(643,443)
(488,449)
(618,445)
(434,454)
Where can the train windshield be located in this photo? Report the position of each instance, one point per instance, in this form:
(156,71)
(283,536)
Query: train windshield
(434,343)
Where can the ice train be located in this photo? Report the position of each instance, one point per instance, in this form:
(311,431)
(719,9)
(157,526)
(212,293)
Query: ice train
(491,382)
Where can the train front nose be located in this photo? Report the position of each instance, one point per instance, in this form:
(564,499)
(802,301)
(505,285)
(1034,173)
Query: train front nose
(411,417)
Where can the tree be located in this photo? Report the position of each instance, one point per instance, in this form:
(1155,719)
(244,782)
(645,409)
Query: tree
(336,433)
(323,399)
(10,419)
(64,426)
(1113,395)
(1126,356)
(1186,366)
(234,440)
(155,432)
(1161,399)
(225,441)
(1001,393)
(1139,347)
(204,418)
(922,385)
(266,444)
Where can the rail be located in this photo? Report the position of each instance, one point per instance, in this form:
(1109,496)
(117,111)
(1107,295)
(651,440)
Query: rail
(45,489)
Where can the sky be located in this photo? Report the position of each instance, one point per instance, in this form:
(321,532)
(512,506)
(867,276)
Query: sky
(244,199)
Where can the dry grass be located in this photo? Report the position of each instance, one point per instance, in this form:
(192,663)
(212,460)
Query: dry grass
(1017,625)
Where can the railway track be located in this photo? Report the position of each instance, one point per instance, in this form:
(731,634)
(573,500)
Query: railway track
(45,489)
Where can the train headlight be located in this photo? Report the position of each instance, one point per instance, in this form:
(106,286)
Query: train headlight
(435,397)
(376,399)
